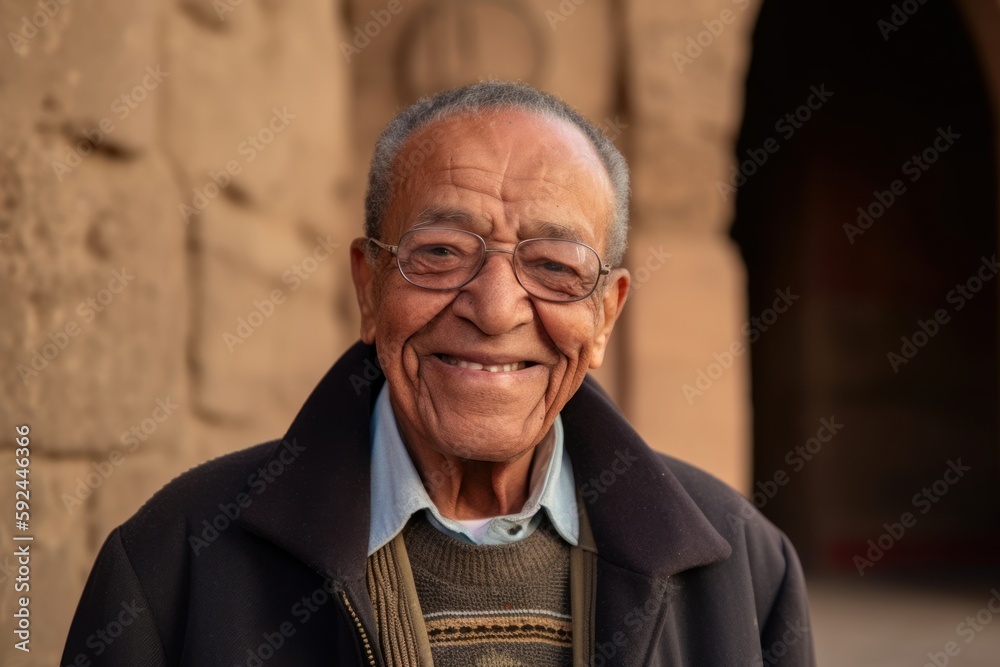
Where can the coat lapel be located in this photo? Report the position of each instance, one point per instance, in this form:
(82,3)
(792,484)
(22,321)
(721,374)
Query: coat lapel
(318,508)
(645,526)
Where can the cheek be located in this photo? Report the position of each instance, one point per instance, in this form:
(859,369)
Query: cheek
(397,324)
(572,333)
(404,311)
(399,312)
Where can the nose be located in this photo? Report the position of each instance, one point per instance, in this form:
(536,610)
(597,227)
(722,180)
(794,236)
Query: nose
(494,300)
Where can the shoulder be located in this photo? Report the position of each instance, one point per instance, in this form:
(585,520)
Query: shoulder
(196,495)
(731,514)
(711,494)
(763,573)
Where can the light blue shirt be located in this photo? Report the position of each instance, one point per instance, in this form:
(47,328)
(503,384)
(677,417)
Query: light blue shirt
(397,491)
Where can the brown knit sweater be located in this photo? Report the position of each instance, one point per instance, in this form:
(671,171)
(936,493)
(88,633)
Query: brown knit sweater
(502,605)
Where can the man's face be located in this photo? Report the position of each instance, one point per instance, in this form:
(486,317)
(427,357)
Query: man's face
(507,176)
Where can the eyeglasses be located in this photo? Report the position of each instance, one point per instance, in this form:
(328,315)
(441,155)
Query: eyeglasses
(440,258)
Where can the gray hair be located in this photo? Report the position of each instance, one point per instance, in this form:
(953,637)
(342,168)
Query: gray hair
(385,172)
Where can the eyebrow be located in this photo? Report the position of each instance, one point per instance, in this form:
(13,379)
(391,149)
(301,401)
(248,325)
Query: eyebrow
(552,230)
(437,215)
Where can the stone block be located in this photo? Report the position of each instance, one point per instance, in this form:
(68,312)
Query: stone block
(562,47)
(582,60)
(99,290)
(87,63)
(688,64)
(272,95)
(267,321)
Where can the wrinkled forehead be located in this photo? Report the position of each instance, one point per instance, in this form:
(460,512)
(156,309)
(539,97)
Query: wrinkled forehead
(534,165)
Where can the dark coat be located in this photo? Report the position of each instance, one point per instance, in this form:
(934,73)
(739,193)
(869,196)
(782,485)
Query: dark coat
(258,557)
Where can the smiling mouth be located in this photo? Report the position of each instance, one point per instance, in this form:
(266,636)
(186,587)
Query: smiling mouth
(495,368)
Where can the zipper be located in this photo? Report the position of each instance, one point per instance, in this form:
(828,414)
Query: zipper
(360,628)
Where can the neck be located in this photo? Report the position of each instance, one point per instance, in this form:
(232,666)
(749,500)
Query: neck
(466,489)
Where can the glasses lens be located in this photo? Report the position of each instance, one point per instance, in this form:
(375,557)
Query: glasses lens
(557,270)
(439,258)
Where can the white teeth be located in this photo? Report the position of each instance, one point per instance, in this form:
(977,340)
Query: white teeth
(461,363)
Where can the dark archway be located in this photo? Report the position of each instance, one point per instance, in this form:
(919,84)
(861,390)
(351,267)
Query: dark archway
(875,203)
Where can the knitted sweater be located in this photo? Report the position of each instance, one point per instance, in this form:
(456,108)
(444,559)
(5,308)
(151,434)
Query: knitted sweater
(498,606)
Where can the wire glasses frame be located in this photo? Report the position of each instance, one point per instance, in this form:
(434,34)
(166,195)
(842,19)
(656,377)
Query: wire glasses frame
(444,258)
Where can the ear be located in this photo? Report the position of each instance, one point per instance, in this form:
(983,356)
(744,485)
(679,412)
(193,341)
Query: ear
(364,288)
(611,303)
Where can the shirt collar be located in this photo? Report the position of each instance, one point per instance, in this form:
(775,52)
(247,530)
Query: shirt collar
(397,491)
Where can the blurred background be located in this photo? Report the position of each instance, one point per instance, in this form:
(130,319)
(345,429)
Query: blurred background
(814,314)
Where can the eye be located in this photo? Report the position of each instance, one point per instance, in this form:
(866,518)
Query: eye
(435,257)
(550,268)
(556,268)
(438,251)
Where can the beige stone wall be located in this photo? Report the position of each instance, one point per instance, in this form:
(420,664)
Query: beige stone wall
(688,381)
(179,182)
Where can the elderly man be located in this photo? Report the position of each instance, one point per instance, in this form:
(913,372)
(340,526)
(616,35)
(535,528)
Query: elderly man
(456,491)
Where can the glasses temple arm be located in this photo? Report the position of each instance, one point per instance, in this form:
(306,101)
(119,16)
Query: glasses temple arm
(385,246)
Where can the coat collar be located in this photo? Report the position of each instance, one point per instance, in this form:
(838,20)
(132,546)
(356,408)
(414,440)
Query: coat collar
(318,508)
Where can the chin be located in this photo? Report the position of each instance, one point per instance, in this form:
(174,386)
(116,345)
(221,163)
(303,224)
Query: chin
(494,442)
